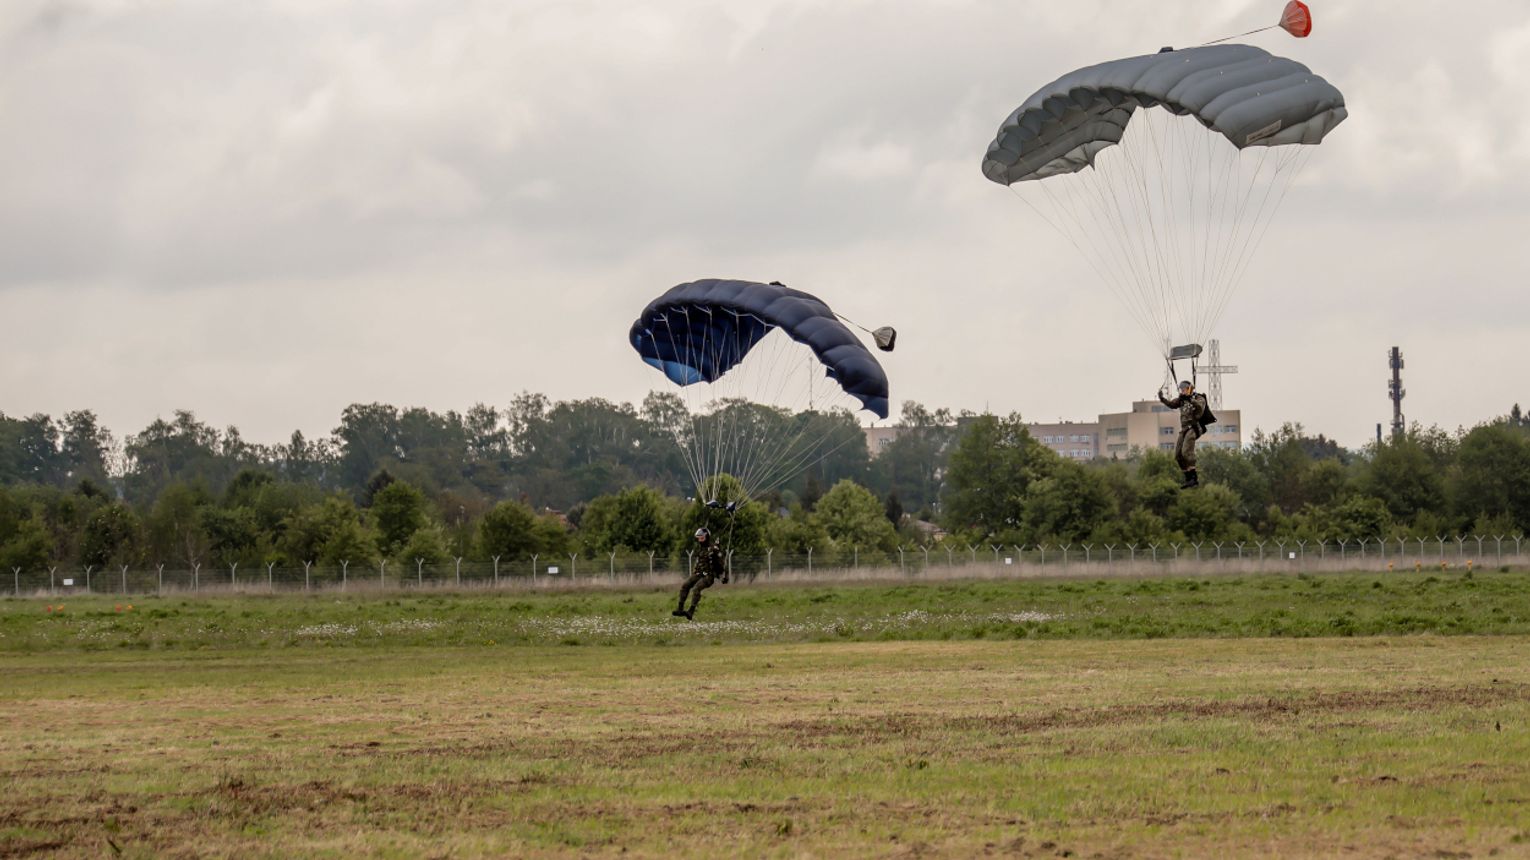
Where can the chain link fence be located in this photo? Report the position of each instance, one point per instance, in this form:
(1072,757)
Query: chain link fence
(941,561)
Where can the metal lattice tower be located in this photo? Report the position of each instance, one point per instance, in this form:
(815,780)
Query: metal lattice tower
(1214,369)
(1396,392)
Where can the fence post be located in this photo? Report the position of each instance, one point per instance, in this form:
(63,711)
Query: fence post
(926,567)
(1065,548)
(1110,553)
(270,576)
(1343,542)
(1154,547)
(1479,546)
(1498,542)
(950,557)
(534,569)
(1280,546)
(1460,547)
(902,568)
(650,562)
(496,571)
(345,576)
(1197,550)
(16,576)
(459,571)
(124,579)
(1301,551)
(1043,548)
(160,588)
(1218,545)
(1086,553)
(196,576)
(611,565)
(233,578)
(1131,550)
(382,575)
(1175,547)
(88,568)
(995,552)
(972,551)
(52,580)
(810,561)
(1239,545)
(1441,539)
(419,573)
(729,561)
(573,567)
(307,579)
(1260,544)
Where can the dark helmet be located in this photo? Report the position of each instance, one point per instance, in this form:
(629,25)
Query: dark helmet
(702,533)
(1185,383)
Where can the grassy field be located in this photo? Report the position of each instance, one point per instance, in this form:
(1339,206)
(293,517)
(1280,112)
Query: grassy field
(1354,604)
(1115,719)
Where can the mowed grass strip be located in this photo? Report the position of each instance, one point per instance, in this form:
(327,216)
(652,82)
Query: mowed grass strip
(1385,746)
(1295,605)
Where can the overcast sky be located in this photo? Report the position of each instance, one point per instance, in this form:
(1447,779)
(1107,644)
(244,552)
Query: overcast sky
(265,211)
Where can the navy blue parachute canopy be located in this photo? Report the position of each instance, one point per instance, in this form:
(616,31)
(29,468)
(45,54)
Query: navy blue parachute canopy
(698,331)
(1249,96)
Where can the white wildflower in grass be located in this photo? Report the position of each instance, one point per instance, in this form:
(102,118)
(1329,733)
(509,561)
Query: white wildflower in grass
(604,627)
(327,630)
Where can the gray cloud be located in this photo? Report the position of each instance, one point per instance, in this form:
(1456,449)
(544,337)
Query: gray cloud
(206,205)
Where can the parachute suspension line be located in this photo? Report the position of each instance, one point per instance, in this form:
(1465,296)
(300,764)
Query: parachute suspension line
(1289,166)
(1238,36)
(1131,252)
(688,447)
(1104,265)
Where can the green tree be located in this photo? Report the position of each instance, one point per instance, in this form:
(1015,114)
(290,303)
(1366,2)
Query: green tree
(29,546)
(1208,514)
(743,532)
(232,536)
(1406,474)
(1493,474)
(1065,506)
(427,545)
(399,510)
(174,526)
(994,462)
(799,531)
(854,519)
(350,541)
(111,536)
(511,530)
(306,530)
(637,519)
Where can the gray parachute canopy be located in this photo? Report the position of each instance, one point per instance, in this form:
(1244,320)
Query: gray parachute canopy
(1249,96)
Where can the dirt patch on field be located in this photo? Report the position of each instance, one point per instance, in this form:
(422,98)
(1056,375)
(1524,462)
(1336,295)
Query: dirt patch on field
(1264,708)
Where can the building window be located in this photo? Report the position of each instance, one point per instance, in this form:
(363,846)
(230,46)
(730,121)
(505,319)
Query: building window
(1166,446)
(1166,431)
(1116,431)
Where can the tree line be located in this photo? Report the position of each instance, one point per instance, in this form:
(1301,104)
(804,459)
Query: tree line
(593,476)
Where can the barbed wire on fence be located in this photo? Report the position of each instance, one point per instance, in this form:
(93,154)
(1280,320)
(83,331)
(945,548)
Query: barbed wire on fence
(942,559)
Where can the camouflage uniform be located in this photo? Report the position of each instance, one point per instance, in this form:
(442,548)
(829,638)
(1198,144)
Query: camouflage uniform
(709,566)
(1192,410)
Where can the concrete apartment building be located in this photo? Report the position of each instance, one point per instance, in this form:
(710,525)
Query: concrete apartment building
(1148,425)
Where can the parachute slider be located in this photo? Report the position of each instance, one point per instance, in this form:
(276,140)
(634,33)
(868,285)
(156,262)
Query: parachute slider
(1189,350)
(885,337)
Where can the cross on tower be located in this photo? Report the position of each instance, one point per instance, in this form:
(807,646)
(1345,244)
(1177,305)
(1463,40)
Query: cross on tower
(1214,369)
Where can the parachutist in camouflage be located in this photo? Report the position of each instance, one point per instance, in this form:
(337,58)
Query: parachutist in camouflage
(1194,416)
(710,566)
